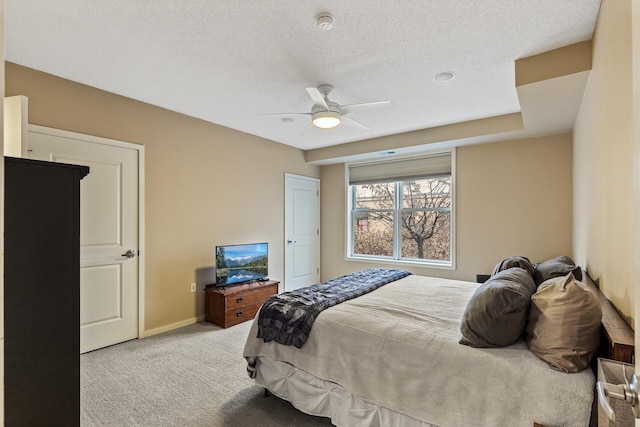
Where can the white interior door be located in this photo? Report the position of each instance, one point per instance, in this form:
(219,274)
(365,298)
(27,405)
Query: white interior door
(302,231)
(109,220)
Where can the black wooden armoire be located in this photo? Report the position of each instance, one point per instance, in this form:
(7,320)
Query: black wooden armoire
(42,293)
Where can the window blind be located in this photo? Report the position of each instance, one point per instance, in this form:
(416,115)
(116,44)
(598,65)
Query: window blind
(398,170)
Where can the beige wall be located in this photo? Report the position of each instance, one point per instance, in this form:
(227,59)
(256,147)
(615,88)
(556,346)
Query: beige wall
(205,184)
(512,198)
(604,197)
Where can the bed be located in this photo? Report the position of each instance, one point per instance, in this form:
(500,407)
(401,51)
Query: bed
(392,357)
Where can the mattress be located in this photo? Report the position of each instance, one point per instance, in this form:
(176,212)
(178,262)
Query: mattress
(397,348)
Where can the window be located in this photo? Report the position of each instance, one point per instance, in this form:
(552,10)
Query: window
(402,210)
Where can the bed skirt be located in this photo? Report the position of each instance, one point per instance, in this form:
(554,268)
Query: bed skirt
(323,398)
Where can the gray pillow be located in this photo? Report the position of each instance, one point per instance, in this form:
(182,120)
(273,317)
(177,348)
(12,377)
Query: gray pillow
(556,267)
(497,312)
(514,261)
(564,324)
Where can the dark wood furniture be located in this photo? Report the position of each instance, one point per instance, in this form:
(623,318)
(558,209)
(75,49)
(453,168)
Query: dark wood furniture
(42,293)
(237,303)
(617,339)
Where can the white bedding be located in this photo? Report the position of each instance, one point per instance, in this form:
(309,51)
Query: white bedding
(327,399)
(397,347)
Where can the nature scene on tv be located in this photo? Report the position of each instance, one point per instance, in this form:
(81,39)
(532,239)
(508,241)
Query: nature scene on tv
(241,263)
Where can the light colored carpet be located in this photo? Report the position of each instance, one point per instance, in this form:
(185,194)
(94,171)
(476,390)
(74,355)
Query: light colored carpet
(193,376)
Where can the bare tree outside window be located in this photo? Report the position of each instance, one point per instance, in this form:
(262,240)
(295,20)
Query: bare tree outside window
(425,215)
(423,209)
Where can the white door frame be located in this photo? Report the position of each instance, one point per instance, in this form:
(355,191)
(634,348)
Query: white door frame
(288,261)
(141,199)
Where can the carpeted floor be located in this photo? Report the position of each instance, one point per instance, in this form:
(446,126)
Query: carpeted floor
(192,377)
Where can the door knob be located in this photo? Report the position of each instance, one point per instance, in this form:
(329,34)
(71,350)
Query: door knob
(291,241)
(129,254)
(626,392)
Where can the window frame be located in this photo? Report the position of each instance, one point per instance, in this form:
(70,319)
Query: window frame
(398,209)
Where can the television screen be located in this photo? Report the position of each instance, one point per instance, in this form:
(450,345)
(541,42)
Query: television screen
(241,263)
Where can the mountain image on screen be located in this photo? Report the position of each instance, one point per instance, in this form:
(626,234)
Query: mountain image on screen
(241,263)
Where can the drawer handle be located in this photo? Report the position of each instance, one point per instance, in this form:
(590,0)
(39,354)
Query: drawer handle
(239,314)
(239,300)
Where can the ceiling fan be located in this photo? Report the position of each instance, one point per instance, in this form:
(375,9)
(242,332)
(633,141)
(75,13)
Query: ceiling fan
(326,114)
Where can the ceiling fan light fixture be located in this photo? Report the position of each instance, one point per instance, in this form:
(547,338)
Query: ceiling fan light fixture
(325,119)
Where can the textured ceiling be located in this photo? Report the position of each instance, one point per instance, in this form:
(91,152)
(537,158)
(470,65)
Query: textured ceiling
(231,62)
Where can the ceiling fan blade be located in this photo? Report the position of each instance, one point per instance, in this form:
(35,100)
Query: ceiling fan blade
(353,123)
(347,109)
(317,97)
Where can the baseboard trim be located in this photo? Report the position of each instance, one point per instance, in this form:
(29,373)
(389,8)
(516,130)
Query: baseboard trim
(171,327)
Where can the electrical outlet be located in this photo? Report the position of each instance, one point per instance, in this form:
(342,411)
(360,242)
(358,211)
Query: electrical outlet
(193,287)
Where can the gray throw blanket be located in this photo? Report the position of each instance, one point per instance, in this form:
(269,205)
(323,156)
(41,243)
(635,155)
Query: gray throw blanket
(287,318)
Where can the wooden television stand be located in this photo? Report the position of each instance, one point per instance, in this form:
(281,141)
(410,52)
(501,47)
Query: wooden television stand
(235,304)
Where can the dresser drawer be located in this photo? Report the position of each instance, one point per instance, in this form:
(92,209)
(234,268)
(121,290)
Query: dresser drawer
(236,304)
(258,295)
(241,314)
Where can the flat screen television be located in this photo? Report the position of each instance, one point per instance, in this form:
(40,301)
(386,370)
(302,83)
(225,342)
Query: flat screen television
(241,263)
